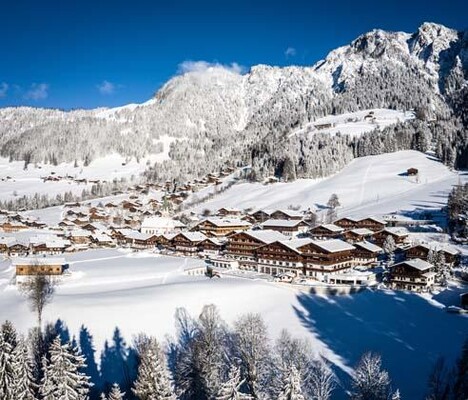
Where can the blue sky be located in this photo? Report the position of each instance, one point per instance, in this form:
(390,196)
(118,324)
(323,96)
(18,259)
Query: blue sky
(83,54)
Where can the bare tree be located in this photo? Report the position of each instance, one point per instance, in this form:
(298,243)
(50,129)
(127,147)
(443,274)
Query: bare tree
(322,381)
(39,290)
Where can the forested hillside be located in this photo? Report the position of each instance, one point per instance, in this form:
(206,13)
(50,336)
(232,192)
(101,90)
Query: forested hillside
(219,116)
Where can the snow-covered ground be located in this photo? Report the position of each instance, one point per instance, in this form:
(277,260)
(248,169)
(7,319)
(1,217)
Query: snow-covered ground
(373,185)
(356,123)
(141,291)
(17,182)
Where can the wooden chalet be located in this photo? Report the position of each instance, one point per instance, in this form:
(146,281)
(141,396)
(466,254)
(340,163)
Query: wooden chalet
(399,235)
(242,245)
(80,236)
(12,226)
(451,255)
(187,242)
(366,253)
(371,223)
(280,257)
(416,275)
(358,235)
(5,243)
(324,257)
(261,215)
(287,215)
(228,212)
(39,266)
(418,251)
(50,247)
(211,247)
(326,231)
(288,227)
(217,227)
(17,249)
(141,241)
(346,223)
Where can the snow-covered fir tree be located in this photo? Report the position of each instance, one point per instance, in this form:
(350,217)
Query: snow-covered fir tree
(231,389)
(153,382)
(116,394)
(63,379)
(7,371)
(370,381)
(389,247)
(291,389)
(24,387)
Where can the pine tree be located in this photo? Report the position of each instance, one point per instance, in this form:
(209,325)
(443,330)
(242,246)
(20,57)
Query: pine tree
(230,390)
(291,386)
(7,375)
(9,333)
(116,393)
(389,246)
(153,379)
(62,378)
(370,382)
(24,385)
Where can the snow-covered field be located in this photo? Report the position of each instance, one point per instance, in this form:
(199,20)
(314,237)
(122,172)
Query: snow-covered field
(373,185)
(356,123)
(141,291)
(17,182)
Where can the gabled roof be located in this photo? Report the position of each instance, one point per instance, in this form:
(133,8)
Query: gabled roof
(396,231)
(39,261)
(362,232)
(333,245)
(289,213)
(266,235)
(294,244)
(226,222)
(369,246)
(285,223)
(416,263)
(193,236)
(331,227)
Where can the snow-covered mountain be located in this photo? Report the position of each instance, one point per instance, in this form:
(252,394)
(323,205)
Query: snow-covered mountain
(218,115)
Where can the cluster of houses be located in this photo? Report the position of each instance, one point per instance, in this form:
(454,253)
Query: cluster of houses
(275,242)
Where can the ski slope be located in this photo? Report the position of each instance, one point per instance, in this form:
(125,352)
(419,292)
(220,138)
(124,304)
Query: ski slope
(373,185)
(140,292)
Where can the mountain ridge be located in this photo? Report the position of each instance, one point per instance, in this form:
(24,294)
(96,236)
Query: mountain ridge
(219,116)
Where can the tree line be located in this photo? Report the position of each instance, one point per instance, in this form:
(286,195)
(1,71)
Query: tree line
(207,359)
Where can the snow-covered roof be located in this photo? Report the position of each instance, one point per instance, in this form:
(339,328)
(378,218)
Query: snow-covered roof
(39,261)
(284,223)
(135,235)
(193,236)
(397,231)
(362,231)
(333,245)
(266,235)
(417,263)
(226,222)
(369,246)
(289,213)
(161,223)
(332,227)
(294,244)
(376,219)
